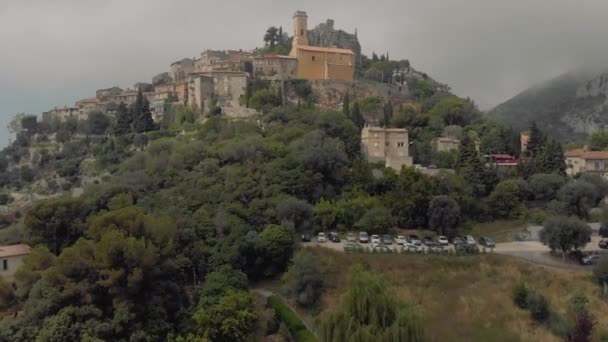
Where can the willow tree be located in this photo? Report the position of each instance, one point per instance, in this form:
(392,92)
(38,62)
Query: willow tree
(369,313)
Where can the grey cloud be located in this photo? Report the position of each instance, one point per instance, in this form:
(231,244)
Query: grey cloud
(55,52)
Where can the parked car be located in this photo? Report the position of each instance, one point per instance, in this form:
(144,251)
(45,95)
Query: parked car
(387,239)
(306,237)
(350,237)
(411,247)
(469,240)
(414,239)
(379,247)
(363,237)
(334,237)
(376,239)
(456,240)
(487,242)
(351,247)
(427,240)
(400,240)
(437,248)
(321,237)
(590,259)
(442,240)
(603,243)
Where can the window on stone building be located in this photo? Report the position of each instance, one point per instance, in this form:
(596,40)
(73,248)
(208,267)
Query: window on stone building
(5,264)
(313,58)
(301,32)
(400,144)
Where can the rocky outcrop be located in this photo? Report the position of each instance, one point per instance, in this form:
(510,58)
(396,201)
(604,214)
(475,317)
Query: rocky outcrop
(569,107)
(326,35)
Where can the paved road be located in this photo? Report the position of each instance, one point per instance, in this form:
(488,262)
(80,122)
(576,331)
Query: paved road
(532,251)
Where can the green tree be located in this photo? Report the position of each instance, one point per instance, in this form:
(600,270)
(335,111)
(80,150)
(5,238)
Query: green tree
(232,318)
(565,234)
(376,220)
(505,200)
(536,140)
(578,197)
(444,214)
(369,313)
(34,264)
(304,280)
(57,223)
(142,117)
(356,117)
(600,272)
(295,212)
(97,123)
(546,186)
(346,104)
(598,141)
(123,120)
(271,36)
(277,242)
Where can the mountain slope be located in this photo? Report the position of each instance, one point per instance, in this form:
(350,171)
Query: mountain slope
(569,107)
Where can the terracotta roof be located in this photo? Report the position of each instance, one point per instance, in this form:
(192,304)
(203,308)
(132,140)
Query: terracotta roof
(326,49)
(575,153)
(14,250)
(595,155)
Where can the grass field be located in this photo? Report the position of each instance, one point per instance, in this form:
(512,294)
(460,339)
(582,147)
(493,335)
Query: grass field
(467,298)
(499,231)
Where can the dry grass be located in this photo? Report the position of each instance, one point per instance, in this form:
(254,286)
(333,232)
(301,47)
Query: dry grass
(467,298)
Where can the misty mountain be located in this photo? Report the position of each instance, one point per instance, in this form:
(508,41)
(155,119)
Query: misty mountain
(569,107)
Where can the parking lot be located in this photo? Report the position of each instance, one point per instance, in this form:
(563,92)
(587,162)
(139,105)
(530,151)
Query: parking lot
(533,251)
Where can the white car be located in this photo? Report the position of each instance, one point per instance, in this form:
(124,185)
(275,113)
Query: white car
(400,240)
(469,240)
(363,237)
(412,247)
(442,240)
(321,237)
(375,239)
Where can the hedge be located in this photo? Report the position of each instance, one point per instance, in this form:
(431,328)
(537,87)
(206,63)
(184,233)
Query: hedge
(295,325)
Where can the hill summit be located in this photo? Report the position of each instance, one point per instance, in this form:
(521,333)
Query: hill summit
(569,107)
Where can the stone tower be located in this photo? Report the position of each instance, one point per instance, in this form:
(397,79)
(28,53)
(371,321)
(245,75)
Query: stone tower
(300,29)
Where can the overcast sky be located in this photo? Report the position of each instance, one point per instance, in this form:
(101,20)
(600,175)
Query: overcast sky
(56,52)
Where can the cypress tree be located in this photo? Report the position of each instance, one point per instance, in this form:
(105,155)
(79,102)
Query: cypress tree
(388,113)
(536,140)
(356,117)
(123,120)
(142,117)
(346,104)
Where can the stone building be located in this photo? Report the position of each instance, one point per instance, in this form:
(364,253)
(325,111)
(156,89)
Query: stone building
(388,145)
(11,258)
(445,144)
(224,87)
(275,67)
(180,70)
(524,138)
(101,93)
(319,63)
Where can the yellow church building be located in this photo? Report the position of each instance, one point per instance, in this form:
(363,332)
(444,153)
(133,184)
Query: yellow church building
(319,63)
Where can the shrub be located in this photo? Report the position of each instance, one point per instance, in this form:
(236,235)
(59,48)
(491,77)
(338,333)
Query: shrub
(520,295)
(295,325)
(538,306)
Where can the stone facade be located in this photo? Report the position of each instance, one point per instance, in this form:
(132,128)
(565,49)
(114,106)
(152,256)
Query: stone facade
(319,63)
(224,87)
(388,145)
(180,70)
(445,144)
(275,67)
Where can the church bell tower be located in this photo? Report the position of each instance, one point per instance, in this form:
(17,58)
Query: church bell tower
(300,31)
